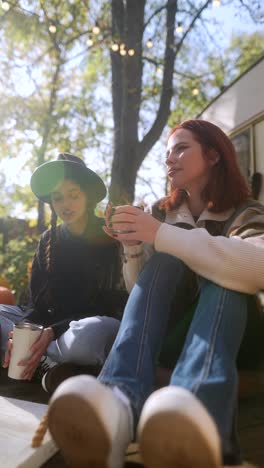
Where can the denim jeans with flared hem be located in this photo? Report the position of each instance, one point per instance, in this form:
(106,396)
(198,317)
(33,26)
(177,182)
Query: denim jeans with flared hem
(207,364)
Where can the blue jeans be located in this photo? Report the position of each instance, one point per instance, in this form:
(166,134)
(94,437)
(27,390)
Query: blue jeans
(207,364)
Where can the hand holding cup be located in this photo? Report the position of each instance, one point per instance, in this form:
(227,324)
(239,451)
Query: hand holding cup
(110,228)
(131,225)
(24,336)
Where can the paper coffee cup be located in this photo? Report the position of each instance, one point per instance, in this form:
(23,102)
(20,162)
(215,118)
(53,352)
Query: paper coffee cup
(24,335)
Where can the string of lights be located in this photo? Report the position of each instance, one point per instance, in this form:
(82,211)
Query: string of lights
(95,31)
(115,46)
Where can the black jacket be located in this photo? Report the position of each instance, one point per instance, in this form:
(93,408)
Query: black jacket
(85,281)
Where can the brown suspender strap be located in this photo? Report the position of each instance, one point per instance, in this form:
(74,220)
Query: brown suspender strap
(237,212)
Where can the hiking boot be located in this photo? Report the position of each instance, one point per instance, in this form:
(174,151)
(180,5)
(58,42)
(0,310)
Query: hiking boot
(176,430)
(90,424)
(60,372)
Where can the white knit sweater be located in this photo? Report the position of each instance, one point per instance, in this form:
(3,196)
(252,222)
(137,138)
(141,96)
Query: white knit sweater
(231,262)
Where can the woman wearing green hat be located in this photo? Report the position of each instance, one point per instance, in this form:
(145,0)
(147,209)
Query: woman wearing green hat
(75,288)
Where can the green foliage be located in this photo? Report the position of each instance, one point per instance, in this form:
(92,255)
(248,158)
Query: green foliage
(60,75)
(17,258)
(244,50)
(211,77)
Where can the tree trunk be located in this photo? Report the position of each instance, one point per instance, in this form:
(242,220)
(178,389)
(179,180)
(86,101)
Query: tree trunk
(128,28)
(129,152)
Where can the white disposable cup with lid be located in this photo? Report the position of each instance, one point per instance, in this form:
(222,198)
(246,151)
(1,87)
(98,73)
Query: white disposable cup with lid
(24,335)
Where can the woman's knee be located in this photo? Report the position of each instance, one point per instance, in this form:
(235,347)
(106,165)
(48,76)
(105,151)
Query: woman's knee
(166,260)
(88,341)
(166,271)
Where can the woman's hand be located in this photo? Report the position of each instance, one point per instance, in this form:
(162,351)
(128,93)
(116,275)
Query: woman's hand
(8,350)
(109,213)
(37,350)
(131,224)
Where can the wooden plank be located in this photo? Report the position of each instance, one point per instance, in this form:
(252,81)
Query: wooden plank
(18,421)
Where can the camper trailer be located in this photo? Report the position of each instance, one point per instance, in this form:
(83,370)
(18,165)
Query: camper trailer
(239,111)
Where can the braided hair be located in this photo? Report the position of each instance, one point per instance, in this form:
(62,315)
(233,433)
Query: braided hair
(47,262)
(48,254)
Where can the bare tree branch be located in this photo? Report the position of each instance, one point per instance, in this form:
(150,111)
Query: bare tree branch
(175,72)
(150,138)
(155,13)
(148,183)
(257,17)
(188,30)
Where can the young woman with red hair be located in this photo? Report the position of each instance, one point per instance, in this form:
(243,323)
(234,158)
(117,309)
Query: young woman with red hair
(208,239)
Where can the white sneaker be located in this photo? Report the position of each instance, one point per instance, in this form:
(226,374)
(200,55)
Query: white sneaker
(175,430)
(89,423)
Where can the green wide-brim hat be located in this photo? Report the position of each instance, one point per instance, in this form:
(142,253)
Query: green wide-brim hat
(49,175)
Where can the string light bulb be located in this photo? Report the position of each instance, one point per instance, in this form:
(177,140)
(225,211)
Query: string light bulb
(216,3)
(114,47)
(122,46)
(195,91)
(179,28)
(96,29)
(149,43)
(123,51)
(52,28)
(89,41)
(159,70)
(5,6)
(131,52)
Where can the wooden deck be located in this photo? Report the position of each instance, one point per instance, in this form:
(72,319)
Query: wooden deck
(251,416)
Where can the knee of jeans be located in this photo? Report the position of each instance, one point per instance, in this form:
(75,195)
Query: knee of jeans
(84,355)
(92,342)
(161,256)
(80,352)
(165,260)
(166,270)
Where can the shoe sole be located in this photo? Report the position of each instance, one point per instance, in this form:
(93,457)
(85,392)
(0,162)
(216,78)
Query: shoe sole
(78,432)
(159,450)
(172,442)
(175,430)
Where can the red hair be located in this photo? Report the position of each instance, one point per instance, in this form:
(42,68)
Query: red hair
(226,187)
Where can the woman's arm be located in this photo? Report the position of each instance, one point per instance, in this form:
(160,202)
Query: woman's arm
(135,253)
(233,263)
(135,258)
